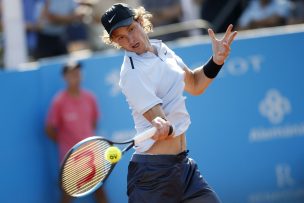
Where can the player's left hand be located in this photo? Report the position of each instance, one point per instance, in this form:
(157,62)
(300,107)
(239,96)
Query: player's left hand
(221,48)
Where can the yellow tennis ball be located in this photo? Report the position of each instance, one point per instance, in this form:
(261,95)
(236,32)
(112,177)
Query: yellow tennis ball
(113,154)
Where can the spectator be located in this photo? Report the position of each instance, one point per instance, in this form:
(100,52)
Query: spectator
(72,117)
(77,31)
(191,11)
(297,14)
(165,12)
(265,13)
(31,25)
(56,16)
(221,13)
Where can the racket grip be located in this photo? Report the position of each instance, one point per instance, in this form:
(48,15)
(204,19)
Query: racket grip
(148,134)
(144,135)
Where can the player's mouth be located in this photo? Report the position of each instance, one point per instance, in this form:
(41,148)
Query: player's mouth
(136,45)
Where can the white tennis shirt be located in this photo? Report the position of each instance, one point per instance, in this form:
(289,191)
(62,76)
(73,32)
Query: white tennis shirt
(147,80)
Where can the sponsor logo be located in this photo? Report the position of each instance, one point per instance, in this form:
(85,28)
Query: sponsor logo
(286,184)
(274,106)
(111,19)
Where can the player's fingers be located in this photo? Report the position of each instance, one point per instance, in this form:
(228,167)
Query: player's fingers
(167,131)
(157,124)
(231,37)
(162,127)
(167,127)
(228,32)
(211,35)
(226,46)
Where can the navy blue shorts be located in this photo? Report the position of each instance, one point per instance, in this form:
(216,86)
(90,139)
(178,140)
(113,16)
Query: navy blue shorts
(167,178)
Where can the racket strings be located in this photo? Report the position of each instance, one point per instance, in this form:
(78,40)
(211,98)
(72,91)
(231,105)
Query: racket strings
(85,168)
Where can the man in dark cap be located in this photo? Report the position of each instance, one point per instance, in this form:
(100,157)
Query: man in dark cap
(153,79)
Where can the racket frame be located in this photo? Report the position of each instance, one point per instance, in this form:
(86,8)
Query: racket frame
(78,145)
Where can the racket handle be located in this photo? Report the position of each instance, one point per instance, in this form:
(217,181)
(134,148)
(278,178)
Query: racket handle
(148,134)
(144,135)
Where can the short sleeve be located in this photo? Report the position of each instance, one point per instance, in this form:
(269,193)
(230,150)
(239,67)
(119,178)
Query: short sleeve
(180,61)
(139,92)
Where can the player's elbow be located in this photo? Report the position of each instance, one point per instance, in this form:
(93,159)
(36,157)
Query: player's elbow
(197,91)
(199,87)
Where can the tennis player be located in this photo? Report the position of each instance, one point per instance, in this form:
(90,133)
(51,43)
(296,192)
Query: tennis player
(153,79)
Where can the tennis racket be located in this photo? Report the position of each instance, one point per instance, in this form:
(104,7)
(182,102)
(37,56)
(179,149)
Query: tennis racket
(85,168)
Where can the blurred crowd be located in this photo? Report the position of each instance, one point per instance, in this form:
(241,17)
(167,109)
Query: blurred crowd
(59,27)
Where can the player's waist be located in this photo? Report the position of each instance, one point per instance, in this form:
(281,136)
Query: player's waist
(170,146)
(163,158)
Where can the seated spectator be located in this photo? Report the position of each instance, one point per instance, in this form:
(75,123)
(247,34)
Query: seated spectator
(265,13)
(58,16)
(164,12)
(191,11)
(297,12)
(31,26)
(221,13)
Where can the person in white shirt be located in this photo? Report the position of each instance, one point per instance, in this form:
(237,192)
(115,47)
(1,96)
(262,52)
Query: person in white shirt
(265,13)
(153,79)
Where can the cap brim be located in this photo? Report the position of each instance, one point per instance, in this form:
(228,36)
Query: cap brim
(125,22)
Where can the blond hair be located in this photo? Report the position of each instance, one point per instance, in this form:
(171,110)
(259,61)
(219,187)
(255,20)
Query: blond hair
(140,15)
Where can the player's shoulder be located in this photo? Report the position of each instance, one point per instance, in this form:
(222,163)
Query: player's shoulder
(166,50)
(160,44)
(129,64)
(130,70)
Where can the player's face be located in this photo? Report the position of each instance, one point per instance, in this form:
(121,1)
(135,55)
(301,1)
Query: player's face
(132,38)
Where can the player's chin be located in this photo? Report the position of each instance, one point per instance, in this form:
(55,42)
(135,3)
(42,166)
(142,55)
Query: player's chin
(138,49)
